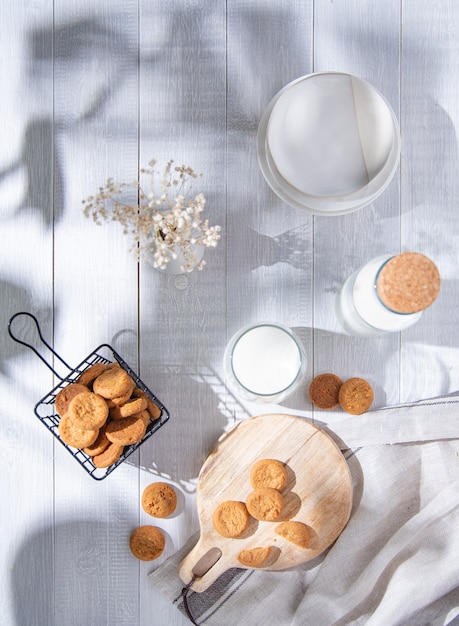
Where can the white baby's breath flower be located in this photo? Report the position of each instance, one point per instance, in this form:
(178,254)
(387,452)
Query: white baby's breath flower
(157,223)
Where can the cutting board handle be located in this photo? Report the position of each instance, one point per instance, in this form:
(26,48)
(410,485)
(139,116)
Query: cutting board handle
(203,582)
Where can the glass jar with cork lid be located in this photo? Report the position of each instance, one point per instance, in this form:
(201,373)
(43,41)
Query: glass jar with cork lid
(388,294)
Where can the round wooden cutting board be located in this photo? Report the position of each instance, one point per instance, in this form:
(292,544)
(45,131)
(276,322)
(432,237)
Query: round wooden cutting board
(318,492)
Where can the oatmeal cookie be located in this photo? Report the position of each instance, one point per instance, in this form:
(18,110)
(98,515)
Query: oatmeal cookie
(152,408)
(145,417)
(66,395)
(100,444)
(265,504)
(295,532)
(255,557)
(356,396)
(159,500)
(231,518)
(126,431)
(109,456)
(75,436)
(131,407)
(114,382)
(324,390)
(88,410)
(147,543)
(268,473)
(90,374)
(119,401)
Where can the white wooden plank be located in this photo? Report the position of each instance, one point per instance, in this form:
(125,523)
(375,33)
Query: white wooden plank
(26,486)
(350,37)
(96,114)
(269,257)
(430,114)
(182,320)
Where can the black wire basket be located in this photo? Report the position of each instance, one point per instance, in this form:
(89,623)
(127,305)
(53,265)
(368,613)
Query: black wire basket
(46,412)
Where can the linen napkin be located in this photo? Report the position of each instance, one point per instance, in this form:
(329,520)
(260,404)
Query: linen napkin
(397,560)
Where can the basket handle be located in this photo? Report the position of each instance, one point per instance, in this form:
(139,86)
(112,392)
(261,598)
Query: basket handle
(28,345)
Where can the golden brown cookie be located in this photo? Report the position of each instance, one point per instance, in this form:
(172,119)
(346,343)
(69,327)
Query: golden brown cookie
(295,532)
(408,282)
(126,431)
(109,456)
(145,417)
(230,518)
(131,407)
(356,396)
(90,374)
(74,436)
(88,410)
(147,543)
(117,402)
(66,395)
(324,390)
(265,504)
(268,473)
(255,557)
(114,382)
(152,408)
(100,444)
(159,500)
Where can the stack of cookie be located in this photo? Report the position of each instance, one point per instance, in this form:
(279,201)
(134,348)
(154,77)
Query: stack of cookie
(265,503)
(102,412)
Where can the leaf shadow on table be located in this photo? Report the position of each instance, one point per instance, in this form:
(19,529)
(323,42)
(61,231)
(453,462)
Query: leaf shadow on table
(74,48)
(95,49)
(268,71)
(43,173)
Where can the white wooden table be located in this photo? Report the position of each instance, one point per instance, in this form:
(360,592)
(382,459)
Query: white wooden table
(96,89)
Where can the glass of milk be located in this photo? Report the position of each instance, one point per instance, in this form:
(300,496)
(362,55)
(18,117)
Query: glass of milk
(264,362)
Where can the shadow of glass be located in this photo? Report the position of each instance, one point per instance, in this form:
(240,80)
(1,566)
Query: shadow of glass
(39,157)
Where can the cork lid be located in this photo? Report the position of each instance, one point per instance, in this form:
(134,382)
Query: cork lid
(408,282)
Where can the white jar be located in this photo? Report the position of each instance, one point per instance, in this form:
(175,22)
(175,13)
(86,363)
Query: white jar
(360,307)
